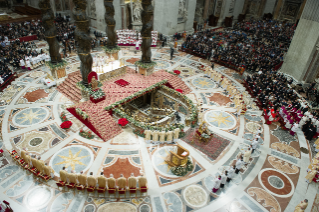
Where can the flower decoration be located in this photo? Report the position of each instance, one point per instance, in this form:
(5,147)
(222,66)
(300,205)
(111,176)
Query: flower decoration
(123,122)
(63,117)
(81,113)
(66,125)
(179,90)
(177,72)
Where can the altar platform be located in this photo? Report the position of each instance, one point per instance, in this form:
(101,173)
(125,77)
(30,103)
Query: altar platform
(100,120)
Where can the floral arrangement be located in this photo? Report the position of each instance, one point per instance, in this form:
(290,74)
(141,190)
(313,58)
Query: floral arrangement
(139,133)
(204,135)
(97,94)
(183,170)
(135,95)
(66,124)
(179,90)
(145,65)
(111,51)
(81,113)
(181,133)
(171,72)
(177,72)
(123,122)
(201,67)
(144,125)
(63,117)
(57,65)
(87,135)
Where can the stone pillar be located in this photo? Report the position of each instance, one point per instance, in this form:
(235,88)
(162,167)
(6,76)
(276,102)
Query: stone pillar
(245,7)
(261,8)
(300,60)
(222,13)
(278,9)
(301,9)
(239,6)
(123,14)
(313,68)
(206,10)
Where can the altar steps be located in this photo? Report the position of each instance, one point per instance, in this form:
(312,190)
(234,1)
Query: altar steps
(101,121)
(69,89)
(174,81)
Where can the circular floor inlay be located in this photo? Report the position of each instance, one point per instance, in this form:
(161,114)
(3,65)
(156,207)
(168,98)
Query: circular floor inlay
(35,141)
(203,83)
(220,119)
(76,157)
(195,196)
(117,206)
(38,197)
(276,182)
(89,208)
(145,208)
(253,127)
(30,116)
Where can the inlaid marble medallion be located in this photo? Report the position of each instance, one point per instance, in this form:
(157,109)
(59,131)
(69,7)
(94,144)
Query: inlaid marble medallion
(117,206)
(253,127)
(30,116)
(38,197)
(220,119)
(276,183)
(203,83)
(195,196)
(75,157)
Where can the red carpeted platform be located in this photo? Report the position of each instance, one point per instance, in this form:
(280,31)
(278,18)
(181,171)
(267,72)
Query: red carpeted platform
(101,121)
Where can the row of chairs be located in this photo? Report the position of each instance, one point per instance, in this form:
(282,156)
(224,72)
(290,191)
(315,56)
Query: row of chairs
(116,191)
(32,169)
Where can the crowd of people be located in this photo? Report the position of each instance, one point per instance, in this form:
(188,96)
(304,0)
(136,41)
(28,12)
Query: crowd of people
(254,45)
(276,95)
(18,30)
(15,54)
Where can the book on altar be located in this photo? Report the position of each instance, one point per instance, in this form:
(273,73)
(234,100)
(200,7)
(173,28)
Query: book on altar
(184,154)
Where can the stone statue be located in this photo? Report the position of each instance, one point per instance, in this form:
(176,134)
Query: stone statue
(82,36)
(137,9)
(93,9)
(146,32)
(50,30)
(94,83)
(110,21)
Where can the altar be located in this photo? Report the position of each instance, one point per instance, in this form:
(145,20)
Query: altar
(116,64)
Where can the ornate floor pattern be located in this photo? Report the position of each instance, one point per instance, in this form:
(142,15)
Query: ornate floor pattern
(272,180)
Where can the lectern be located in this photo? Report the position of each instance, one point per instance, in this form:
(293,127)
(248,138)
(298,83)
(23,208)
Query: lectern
(178,158)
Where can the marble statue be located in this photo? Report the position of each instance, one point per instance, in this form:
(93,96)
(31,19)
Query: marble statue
(94,83)
(146,31)
(199,14)
(93,9)
(110,21)
(82,36)
(137,9)
(182,10)
(50,30)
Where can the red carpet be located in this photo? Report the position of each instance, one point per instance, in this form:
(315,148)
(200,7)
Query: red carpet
(212,149)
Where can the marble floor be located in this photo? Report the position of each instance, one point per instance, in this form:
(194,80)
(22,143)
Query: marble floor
(273,180)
